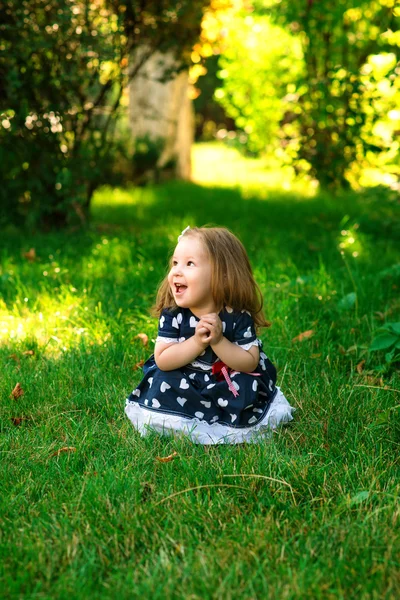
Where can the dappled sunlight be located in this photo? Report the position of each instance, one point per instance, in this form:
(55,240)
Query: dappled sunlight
(216,165)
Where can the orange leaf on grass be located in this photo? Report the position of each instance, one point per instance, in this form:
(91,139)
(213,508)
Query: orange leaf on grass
(30,255)
(28,353)
(303,336)
(360,367)
(143,337)
(138,365)
(19,420)
(17,392)
(165,459)
(65,449)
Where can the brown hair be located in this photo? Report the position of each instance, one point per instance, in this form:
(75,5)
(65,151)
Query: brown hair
(232,280)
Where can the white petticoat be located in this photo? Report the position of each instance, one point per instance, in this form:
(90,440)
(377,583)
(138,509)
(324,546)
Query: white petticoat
(201,432)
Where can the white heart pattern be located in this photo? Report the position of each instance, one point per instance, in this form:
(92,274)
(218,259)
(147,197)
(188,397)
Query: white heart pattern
(179,318)
(214,419)
(136,393)
(146,402)
(206,404)
(202,353)
(150,380)
(184,384)
(206,378)
(155,403)
(248,333)
(246,311)
(252,420)
(222,402)
(223,326)
(271,385)
(162,322)
(233,418)
(192,375)
(182,339)
(181,401)
(164,386)
(175,323)
(211,385)
(255,385)
(257,410)
(199,415)
(193,322)
(236,385)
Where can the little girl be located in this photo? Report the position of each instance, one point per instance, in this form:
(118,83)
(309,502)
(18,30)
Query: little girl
(209,377)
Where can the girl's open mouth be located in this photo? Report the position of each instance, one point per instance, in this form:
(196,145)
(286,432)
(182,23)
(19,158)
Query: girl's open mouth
(180,289)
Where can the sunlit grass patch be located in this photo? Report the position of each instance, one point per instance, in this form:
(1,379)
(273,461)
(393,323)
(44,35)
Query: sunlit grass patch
(215,164)
(87,507)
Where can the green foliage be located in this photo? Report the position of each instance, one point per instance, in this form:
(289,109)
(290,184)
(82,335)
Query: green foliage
(337,109)
(63,69)
(387,338)
(258,67)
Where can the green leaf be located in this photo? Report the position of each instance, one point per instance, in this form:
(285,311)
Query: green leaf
(395,327)
(348,301)
(360,497)
(389,356)
(383,341)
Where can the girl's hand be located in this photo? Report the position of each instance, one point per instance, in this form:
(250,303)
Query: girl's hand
(202,335)
(213,323)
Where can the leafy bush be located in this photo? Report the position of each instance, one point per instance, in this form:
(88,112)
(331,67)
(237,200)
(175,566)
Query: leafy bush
(387,339)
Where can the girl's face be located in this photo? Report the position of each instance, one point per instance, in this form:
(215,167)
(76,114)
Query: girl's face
(190,276)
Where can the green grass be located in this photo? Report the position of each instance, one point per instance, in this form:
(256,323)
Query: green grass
(312,513)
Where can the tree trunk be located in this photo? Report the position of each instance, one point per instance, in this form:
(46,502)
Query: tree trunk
(160,109)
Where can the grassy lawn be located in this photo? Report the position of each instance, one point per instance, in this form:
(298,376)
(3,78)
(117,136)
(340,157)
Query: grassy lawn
(88,510)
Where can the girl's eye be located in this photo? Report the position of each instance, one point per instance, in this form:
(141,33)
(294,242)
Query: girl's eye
(174,263)
(190,263)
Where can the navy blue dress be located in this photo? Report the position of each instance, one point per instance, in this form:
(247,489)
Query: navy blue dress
(193,392)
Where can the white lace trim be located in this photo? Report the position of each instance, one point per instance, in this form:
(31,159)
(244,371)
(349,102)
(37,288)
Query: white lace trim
(201,432)
(199,365)
(166,340)
(249,345)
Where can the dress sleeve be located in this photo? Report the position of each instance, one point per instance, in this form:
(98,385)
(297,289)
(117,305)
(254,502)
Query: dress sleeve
(244,331)
(168,327)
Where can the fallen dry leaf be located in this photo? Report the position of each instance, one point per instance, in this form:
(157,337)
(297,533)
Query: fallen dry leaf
(165,459)
(28,353)
(30,255)
(143,337)
(19,420)
(138,365)
(374,380)
(17,392)
(360,367)
(15,357)
(316,355)
(303,336)
(65,449)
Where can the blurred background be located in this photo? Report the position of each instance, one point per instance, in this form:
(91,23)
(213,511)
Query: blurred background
(116,92)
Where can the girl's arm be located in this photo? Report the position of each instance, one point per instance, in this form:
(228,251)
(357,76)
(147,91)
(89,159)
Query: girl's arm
(235,357)
(176,355)
(231,354)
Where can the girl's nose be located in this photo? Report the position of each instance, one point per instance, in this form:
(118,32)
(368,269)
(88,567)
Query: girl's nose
(177,269)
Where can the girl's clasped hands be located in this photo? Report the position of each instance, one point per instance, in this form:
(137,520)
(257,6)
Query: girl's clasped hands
(209,330)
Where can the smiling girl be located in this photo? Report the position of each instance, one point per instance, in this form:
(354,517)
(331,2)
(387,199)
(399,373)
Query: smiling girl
(209,377)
